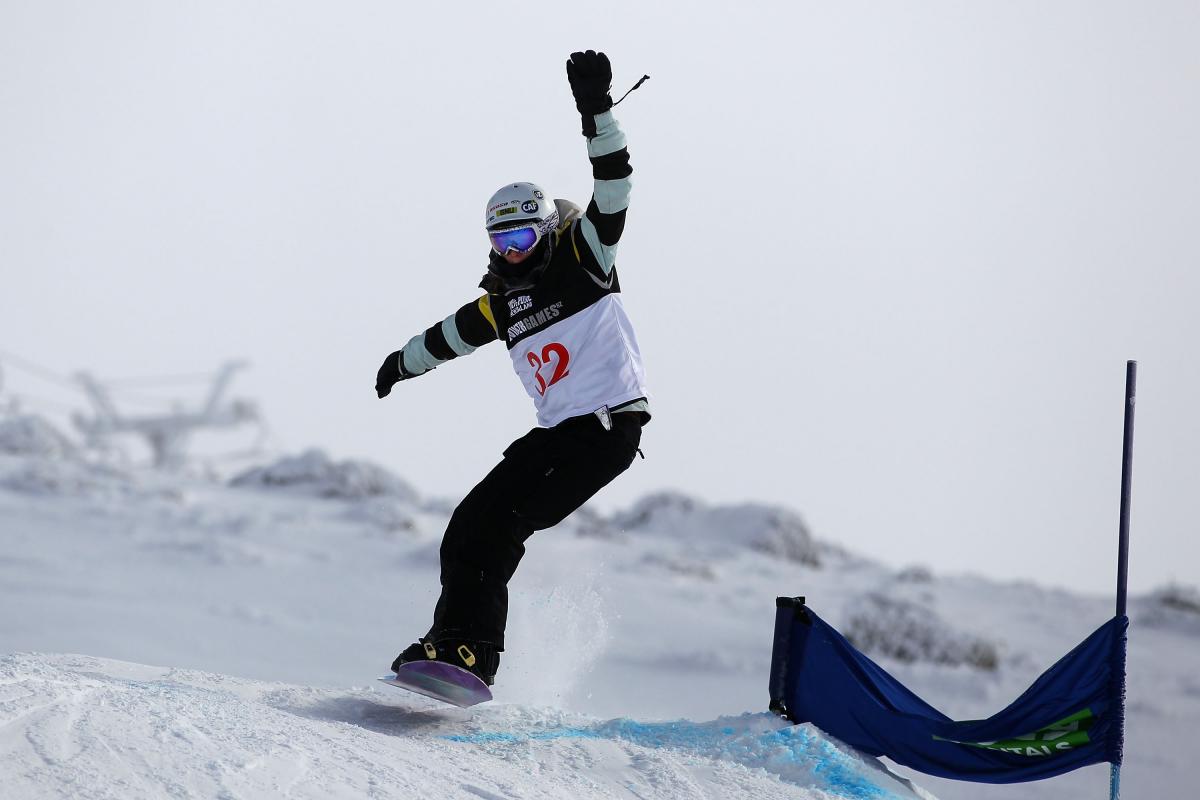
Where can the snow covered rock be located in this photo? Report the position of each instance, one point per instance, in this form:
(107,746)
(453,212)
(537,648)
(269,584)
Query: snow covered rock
(30,435)
(915,573)
(680,565)
(908,632)
(314,472)
(669,510)
(766,529)
(61,478)
(1172,607)
(385,516)
(37,459)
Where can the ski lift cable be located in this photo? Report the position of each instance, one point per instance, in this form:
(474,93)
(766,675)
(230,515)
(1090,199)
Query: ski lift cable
(36,401)
(45,373)
(49,374)
(166,380)
(143,398)
(164,404)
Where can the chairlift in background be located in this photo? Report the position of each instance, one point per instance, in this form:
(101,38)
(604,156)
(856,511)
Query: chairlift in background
(167,433)
(167,428)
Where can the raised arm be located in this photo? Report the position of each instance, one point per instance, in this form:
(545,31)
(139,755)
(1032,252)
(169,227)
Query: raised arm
(457,335)
(590,76)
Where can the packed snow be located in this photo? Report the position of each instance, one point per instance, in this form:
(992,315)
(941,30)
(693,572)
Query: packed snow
(639,645)
(84,726)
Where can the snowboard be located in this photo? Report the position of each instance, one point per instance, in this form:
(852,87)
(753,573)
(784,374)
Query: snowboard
(441,681)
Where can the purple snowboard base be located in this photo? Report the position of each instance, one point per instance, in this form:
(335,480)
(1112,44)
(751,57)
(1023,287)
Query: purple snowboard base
(441,681)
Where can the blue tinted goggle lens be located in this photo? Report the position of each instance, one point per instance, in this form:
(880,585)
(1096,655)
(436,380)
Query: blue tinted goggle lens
(521,240)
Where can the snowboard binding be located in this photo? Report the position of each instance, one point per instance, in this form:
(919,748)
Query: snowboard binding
(481,659)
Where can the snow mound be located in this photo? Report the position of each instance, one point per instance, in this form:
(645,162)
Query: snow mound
(680,565)
(915,573)
(133,731)
(37,459)
(41,476)
(1172,607)
(313,472)
(766,529)
(384,515)
(29,435)
(909,632)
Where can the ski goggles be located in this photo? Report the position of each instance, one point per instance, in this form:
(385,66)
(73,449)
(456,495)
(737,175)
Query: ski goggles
(520,240)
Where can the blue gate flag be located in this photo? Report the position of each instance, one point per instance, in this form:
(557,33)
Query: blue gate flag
(1070,717)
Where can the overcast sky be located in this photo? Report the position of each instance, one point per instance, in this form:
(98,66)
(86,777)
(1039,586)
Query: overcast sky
(886,260)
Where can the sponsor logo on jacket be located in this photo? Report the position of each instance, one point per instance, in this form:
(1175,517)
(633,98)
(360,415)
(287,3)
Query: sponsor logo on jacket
(534,321)
(519,304)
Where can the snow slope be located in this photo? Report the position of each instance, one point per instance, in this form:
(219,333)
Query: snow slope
(316,572)
(80,726)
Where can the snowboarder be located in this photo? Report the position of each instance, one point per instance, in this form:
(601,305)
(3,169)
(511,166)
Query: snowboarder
(553,297)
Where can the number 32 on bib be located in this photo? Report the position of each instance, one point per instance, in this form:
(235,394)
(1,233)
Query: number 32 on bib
(554,360)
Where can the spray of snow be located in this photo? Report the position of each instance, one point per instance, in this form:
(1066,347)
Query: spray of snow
(556,637)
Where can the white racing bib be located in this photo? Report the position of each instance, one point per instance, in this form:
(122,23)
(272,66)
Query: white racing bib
(573,364)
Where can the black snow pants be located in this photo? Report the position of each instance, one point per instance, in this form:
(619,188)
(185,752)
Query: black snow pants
(544,476)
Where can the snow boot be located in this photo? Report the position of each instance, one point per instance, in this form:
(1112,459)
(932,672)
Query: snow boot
(414,652)
(481,659)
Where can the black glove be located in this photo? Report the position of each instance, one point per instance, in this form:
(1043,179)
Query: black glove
(390,374)
(590,76)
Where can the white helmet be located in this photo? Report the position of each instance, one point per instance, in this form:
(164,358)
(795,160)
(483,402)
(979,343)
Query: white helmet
(518,204)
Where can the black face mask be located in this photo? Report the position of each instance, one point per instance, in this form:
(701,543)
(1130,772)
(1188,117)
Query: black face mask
(524,275)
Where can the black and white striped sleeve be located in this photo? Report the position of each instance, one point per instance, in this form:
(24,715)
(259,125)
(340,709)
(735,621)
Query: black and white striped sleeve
(459,334)
(604,220)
